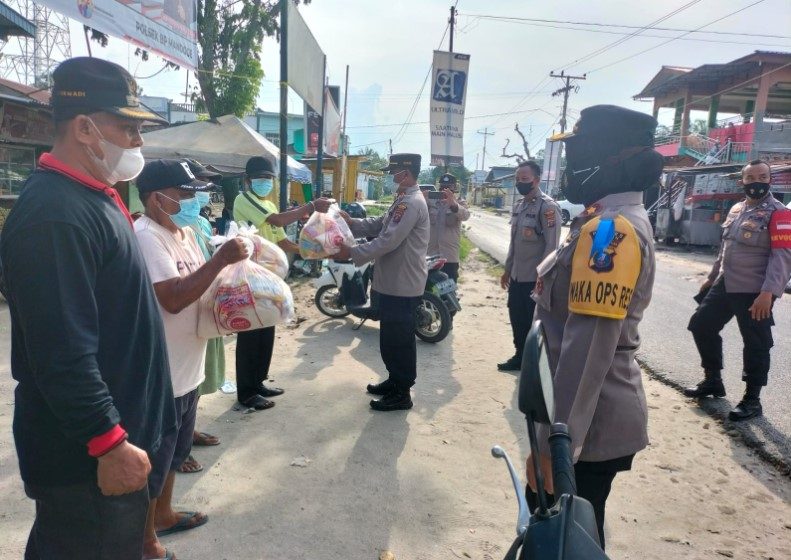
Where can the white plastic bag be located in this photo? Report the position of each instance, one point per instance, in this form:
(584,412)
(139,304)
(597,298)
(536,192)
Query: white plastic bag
(266,253)
(244,296)
(323,234)
(262,251)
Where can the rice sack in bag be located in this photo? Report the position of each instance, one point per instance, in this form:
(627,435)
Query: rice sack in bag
(266,253)
(244,296)
(323,234)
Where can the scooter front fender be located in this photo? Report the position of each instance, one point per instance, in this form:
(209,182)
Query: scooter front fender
(325,279)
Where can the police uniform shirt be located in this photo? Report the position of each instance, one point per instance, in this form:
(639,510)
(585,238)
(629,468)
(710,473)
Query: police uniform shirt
(590,309)
(445,239)
(535,233)
(400,246)
(755,254)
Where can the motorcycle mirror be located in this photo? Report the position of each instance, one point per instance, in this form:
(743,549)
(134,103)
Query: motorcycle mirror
(536,396)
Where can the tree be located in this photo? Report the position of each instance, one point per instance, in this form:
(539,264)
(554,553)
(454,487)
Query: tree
(699,126)
(230,34)
(374,162)
(519,157)
(432,174)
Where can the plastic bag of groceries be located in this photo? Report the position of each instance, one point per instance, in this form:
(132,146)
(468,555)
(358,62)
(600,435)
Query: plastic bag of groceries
(266,253)
(323,234)
(262,251)
(244,296)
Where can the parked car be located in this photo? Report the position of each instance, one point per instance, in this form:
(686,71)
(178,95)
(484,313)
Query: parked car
(569,211)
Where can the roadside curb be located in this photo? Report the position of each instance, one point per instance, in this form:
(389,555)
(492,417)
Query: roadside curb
(718,410)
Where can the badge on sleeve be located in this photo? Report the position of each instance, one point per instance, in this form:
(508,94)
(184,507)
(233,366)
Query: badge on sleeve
(549,216)
(399,212)
(605,268)
(780,229)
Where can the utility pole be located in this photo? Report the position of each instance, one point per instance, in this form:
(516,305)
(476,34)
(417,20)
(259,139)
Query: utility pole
(485,134)
(283,105)
(390,153)
(565,91)
(452,22)
(344,151)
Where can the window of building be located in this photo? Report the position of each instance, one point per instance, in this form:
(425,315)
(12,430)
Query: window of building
(273,137)
(16,164)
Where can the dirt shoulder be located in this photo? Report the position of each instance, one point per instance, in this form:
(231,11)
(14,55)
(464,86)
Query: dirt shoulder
(322,476)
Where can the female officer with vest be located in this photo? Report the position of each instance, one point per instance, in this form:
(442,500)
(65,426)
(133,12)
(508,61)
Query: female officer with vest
(591,295)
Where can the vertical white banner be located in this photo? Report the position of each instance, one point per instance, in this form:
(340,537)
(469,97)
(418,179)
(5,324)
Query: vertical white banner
(448,99)
(550,172)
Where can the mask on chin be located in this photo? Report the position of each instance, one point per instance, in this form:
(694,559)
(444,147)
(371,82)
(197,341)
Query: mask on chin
(118,164)
(756,191)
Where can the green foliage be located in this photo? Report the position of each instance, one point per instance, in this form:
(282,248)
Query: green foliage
(230,34)
(699,126)
(465,247)
(374,211)
(374,162)
(432,175)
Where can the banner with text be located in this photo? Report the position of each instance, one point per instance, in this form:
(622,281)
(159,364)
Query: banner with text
(165,27)
(448,99)
(551,170)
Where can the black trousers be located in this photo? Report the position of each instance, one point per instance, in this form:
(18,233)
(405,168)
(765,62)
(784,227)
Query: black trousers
(594,482)
(397,342)
(452,270)
(713,313)
(253,358)
(520,310)
(78,521)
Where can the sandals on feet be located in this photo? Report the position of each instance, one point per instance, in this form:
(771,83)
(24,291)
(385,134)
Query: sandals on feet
(187,520)
(189,466)
(204,439)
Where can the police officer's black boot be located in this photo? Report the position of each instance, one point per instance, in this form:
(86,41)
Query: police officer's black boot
(711,386)
(514,363)
(750,405)
(396,399)
(380,389)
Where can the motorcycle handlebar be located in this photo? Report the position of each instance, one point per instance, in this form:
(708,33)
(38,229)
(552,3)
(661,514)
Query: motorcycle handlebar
(564,481)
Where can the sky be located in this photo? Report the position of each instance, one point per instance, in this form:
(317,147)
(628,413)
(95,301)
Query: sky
(388,47)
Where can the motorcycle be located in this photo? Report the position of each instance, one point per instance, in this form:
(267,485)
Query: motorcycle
(565,530)
(438,304)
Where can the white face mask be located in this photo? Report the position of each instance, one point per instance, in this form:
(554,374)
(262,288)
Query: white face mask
(118,164)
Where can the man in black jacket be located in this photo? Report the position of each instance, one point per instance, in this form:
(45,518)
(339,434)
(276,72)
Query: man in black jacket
(88,347)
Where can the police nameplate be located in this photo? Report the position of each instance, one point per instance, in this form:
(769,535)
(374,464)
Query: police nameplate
(603,285)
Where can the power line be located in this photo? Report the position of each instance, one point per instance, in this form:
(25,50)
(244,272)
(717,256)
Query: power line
(675,38)
(465,118)
(597,24)
(623,33)
(622,40)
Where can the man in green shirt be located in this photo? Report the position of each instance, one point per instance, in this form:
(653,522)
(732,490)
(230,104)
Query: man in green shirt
(254,348)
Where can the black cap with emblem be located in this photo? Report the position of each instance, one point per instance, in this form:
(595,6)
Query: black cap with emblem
(161,174)
(404,161)
(86,85)
(614,125)
(447,181)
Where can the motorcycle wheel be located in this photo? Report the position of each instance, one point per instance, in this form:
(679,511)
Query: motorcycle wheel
(327,301)
(432,323)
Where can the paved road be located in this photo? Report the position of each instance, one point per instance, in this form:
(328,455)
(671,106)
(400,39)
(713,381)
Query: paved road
(668,350)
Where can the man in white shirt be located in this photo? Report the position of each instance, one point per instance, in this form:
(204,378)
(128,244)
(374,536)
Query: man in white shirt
(180,275)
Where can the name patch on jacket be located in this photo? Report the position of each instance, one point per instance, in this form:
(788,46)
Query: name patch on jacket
(602,284)
(780,229)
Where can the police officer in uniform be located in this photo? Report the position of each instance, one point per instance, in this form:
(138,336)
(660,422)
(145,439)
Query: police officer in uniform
(535,233)
(751,271)
(591,295)
(400,247)
(446,216)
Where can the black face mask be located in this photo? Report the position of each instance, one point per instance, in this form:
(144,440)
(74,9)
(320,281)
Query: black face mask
(756,190)
(524,188)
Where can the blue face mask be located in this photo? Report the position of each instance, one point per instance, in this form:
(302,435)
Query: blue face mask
(203,198)
(262,187)
(189,210)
